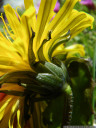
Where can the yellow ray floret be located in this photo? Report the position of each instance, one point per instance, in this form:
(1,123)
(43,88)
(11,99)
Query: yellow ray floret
(66,19)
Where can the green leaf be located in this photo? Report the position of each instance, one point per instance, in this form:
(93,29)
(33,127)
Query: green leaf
(81,84)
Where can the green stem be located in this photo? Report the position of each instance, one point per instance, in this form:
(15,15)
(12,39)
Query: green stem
(94,76)
(36,116)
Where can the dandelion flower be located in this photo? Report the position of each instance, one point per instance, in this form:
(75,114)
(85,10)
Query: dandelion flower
(25,43)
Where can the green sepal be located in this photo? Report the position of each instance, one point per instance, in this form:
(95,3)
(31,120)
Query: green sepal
(31,56)
(49,80)
(63,67)
(40,50)
(39,67)
(58,42)
(12,92)
(81,60)
(18,77)
(56,70)
(51,75)
(37,88)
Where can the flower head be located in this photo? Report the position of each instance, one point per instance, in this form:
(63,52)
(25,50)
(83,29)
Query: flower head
(27,48)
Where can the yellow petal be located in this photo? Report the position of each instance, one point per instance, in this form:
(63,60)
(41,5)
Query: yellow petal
(75,20)
(21,29)
(46,7)
(18,119)
(76,23)
(20,114)
(87,22)
(28,3)
(62,15)
(13,112)
(13,20)
(8,64)
(4,40)
(6,110)
(70,50)
(28,19)
(4,68)
(6,49)
(3,108)
(18,44)
(6,30)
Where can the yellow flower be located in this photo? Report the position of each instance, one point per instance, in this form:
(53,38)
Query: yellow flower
(10,105)
(31,40)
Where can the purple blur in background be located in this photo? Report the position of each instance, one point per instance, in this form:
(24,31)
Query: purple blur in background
(57,6)
(89,4)
(56,9)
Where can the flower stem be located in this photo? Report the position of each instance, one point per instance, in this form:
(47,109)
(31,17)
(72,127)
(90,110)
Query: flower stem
(94,76)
